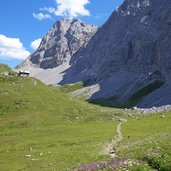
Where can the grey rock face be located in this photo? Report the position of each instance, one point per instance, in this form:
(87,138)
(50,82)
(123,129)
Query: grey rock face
(136,40)
(130,53)
(61,42)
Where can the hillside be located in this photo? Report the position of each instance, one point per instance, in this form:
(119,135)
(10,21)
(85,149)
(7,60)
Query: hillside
(42,118)
(42,128)
(22,95)
(4,68)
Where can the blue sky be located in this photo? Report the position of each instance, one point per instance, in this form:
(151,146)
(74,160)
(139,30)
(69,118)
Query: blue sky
(24,21)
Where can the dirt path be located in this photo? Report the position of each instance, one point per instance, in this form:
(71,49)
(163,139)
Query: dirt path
(113,142)
(119,134)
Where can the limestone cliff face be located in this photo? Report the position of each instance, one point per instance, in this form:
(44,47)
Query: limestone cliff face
(129,53)
(62,41)
(136,38)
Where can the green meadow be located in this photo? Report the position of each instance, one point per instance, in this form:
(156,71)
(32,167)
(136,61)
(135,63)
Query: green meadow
(148,139)
(42,128)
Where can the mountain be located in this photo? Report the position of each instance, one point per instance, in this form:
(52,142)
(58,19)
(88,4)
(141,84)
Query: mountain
(136,38)
(128,58)
(58,46)
(62,41)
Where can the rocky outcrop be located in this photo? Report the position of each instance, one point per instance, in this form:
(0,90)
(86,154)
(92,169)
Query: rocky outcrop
(62,41)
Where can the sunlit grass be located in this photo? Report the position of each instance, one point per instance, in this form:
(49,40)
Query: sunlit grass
(42,128)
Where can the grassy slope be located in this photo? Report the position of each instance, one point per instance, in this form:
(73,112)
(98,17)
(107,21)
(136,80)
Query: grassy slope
(68,132)
(4,68)
(36,119)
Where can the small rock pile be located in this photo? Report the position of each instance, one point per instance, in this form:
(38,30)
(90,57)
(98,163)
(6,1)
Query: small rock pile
(150,110)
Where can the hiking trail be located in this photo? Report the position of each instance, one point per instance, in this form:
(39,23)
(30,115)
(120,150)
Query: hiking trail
(118,138)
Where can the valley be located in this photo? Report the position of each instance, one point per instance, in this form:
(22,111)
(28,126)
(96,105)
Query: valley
(41,127)
(86,97)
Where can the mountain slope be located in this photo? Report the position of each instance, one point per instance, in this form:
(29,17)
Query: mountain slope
(136,38)
(130,52)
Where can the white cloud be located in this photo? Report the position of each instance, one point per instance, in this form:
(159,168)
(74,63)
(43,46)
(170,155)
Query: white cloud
(35,44)
(12,48)
(72,8)
(68,8)
(41,16)
(50,9)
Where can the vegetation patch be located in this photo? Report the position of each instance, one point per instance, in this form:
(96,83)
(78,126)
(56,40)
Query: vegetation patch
(132,101)
(147,138)
(136,97)
(146,90)
(68,88)
(109,102)
(5,68)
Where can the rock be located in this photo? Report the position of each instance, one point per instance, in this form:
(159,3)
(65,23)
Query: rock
(154,109)
(41,154)
(28,155)
(30,149)
(122,120)
(112,152)
(134,108)
(34,159)
(62,41)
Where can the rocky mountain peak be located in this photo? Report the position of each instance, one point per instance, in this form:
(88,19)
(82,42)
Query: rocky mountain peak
(61,42)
